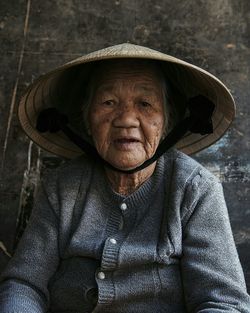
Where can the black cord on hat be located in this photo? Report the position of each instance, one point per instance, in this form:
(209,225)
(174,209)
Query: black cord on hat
(199,121)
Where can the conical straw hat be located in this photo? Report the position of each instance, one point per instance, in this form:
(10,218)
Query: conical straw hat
(189,79)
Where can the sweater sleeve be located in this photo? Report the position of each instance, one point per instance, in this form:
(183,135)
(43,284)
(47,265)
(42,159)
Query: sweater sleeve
(24,282)
(213,279)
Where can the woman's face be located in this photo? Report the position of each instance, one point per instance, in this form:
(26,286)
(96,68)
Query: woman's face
(126,116)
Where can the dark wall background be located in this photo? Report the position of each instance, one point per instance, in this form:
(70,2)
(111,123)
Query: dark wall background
(37,36)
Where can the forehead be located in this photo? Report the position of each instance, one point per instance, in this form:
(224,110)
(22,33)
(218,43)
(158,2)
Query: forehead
(142,75)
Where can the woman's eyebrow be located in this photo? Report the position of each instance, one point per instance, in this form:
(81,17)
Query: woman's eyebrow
(146,88)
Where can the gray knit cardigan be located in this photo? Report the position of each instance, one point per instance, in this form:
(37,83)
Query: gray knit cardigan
(168,247)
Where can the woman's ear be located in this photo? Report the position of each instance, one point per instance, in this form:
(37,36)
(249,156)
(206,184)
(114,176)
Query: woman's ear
(164,134)
(85,119)
(87,125)
(88,130)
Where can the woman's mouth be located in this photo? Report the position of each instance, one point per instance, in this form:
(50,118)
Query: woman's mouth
(126,144)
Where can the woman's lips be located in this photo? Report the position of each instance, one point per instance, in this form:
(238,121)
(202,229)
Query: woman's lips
(126,143)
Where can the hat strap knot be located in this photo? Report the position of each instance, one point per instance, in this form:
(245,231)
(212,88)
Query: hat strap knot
(51,120)
(201,110)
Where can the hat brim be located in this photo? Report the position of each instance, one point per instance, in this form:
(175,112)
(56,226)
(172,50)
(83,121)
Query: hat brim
(190,80)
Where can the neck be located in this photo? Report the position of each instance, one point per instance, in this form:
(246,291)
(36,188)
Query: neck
(126,184)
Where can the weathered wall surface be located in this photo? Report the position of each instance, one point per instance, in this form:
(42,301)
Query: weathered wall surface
(37,36)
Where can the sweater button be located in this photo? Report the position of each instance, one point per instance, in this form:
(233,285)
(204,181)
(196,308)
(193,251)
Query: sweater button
(113,240)
(101,275)
(123,206)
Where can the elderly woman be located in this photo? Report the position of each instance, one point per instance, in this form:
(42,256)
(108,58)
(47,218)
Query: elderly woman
(132,225)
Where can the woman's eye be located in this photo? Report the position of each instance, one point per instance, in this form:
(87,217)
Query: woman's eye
(108,102)
(145,104)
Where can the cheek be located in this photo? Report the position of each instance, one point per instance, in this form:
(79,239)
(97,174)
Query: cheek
(157,129)
(95,120)
(99,129)
(153,133)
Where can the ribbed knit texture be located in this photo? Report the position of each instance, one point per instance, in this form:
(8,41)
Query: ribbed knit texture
(168,247)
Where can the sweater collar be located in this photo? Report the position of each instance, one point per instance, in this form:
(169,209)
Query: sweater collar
(140,197)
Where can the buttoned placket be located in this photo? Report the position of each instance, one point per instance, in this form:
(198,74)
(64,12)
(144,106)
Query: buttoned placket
(110,255)
(113,242)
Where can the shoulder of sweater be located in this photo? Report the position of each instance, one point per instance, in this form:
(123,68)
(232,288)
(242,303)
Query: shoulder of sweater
(187,170)
(69,171)
(81,163)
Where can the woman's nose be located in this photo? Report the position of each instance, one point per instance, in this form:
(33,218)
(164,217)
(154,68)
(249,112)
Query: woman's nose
(126,117)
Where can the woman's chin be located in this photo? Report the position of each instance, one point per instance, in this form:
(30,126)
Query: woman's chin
(126,165)
(126,160)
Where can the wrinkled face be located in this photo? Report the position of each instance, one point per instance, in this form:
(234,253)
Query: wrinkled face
(126,115)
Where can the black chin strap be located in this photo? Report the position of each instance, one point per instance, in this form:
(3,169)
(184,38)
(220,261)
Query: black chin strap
(199,121)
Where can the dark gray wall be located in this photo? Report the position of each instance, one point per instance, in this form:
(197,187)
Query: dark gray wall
(37,36)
